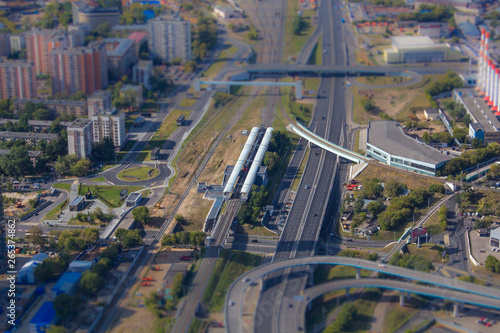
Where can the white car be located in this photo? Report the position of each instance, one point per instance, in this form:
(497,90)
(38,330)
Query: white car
(382,265)
(231,303)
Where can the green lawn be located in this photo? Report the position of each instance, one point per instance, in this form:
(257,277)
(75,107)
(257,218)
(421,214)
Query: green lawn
(166,129)
(187,102)
(63,186)
(99,179)
(137,174)
(302,112)
(317,55)
(129,120)
(395,318)
(221,60)
(109,195)
(150,106)
(54,213)
(292,43)
(239,263)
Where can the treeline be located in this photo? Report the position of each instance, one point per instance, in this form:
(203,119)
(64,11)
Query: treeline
(250,210)
(429,13)
(450,82)
(278,147)
(358,254)
(412,261)
(205,36)
(193,238)
(470,158)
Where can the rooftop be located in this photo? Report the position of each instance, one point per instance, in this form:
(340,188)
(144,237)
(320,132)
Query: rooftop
(389,136)
(469,29)
(413,41)
(79,123)
(46,123)
(124,44)
(479,109)
(31,153)
(77,200)
(133,196)
(45,315)
(25,135)
(50,102)
(138,36)
(144,64)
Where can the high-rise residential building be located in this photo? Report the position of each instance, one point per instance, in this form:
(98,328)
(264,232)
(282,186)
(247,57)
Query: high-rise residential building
(170,38)
(110,124)
(140,38)
(120,53)
(79,69)
(80,138)
(39,44)
(17,43)
(98,102)
(4,45)
(142,72)
(17,79)
(91,13)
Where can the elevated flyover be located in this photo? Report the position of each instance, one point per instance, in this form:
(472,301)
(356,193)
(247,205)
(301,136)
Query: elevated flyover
(469,292)
(325,144)
(332,70)
(297,84)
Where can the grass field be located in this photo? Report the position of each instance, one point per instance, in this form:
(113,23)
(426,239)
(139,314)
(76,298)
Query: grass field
(383,173)
(430,251)
(221,60)
(300,172)
(301,112)
(322,307)
(109,195)
(326,273)
(54,213)
(395,317)
(239,263)
(187,102)
(166,129)
(137,174)
(63,186)
(98,179)
(317,55)
(293,44)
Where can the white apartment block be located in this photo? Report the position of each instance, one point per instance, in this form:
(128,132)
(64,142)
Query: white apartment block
(170,38)
(80,138)
(110,125)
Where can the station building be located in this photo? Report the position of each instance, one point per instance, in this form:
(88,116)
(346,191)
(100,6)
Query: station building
(414,49)
(387,143)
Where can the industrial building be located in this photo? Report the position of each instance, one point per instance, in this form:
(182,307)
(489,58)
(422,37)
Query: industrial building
(413,49)
(44,318)
(80,265)
(80,138)
(495,237)
(26,274)
(94,15)
(67,284)
(387,143)
(433,30)
(485,124)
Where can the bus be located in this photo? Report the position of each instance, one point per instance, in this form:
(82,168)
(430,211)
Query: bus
(181,120)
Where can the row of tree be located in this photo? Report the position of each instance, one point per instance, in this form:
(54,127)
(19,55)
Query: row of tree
(469,159)
(250,210)
(193,238)
(412,261)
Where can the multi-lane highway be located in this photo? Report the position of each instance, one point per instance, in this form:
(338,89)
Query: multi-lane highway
(234,298)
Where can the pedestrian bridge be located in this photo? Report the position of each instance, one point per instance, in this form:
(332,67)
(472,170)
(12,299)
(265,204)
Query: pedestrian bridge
(327,145)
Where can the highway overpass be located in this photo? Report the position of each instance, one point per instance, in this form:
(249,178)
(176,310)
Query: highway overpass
(234,297)
(327,145)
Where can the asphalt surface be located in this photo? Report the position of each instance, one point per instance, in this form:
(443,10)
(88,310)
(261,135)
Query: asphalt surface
(234,298)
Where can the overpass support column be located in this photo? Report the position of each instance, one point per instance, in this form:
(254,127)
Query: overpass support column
(298,89)
(402,299)
(456,306)
(347,294)
(310,280)
(358,273)
(197,86)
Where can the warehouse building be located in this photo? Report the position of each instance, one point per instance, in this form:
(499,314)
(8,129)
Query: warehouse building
(45,317)
(413,49)
(387,143)
(27,273)
(67,284)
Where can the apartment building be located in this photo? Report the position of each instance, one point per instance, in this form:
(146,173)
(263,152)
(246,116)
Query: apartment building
(4,45)
(110,124)
(79,69)
(17,79)
(98,102)
(142,72)
(17,43)
(39,44)
(80,138)
(170,38)
(140,38)
(120,53)
(56,107)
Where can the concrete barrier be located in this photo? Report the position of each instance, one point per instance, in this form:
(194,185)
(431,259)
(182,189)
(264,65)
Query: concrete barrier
(39,208)
(471,257)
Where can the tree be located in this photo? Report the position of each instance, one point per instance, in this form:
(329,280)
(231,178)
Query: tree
(81,167)
(56,329)
(271,160)
(111,252)
(492,264)
(180,219)
(252,33)
(368,104)
(190,66)
(49,269)
(343,320)
(141,214)
(17,162)
(129,238)
(90,283)
(36,237)
(177,286)
(392,188)
(65,306)
(298,25)
(376,207)
(372,189)
(358,205)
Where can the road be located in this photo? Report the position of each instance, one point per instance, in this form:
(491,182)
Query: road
(311,293)
(457,227)
(233,318)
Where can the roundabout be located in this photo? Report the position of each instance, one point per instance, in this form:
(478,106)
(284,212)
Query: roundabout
(138,173)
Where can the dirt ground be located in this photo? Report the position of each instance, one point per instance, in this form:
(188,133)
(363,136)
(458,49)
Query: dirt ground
(194,217)
(412,180)
(138,318)
(23,197)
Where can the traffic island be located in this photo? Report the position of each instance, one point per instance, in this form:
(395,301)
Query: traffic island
(137,174)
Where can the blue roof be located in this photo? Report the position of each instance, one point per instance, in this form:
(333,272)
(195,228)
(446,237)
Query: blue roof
(68,278)
(45,315)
